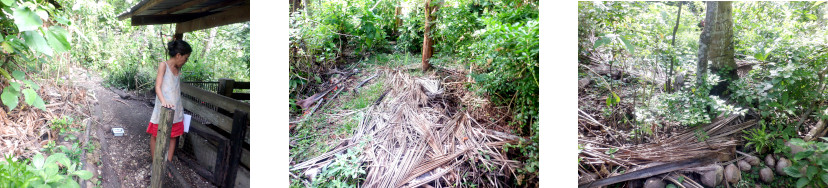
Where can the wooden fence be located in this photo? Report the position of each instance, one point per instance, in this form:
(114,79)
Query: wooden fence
(219,132)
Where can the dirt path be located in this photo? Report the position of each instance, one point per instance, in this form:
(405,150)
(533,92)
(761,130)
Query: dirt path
(122,161)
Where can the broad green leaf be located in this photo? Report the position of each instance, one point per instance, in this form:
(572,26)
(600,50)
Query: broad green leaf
(83,174)
(31,84)
(601,41)
(628,44)
(15,87)
(38,103)
(51,171)
(792,171)
(812,171)
(817,3)
(18,75)
(9,98)
(30,95)
(824,178)
(8,2)
(26,20)
(36,41)
(6,47)
(58,157)
(38,161)
(802,182)
(57,39)
(5,74)
(802,155)
(797,141)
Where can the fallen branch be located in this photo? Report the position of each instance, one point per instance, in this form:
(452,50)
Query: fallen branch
(650,172)
(356,89)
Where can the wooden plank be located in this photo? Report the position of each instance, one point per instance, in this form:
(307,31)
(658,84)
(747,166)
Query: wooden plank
(241,85)
(222,121)
(230,16)
(221,161)
(203,131)
(181,7)
(165,19)
(241,96)
(131,11)
(236,140)
(149,4)
(221,5)
(223,102)
(159,159)
(198,168)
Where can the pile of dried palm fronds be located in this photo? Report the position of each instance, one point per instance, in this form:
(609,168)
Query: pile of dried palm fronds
(686,145)
(712,139)
(25,129)
(414,138)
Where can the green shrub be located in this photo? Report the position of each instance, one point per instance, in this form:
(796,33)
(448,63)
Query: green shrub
(687,107)
(345,171)
(508,55)
(55,170)
(813,159)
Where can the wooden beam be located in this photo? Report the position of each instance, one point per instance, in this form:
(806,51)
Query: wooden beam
(181,7)
(222,121)
(241,96)
(221,5)
(236,139)
(159,158)
(241,85)
(230,16)
(223,102)
(149,4)
(226,87)
(165,19)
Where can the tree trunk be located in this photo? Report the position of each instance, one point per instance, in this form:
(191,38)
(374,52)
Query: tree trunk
(672,60)
(295,5)
(721,47)
(207,44)
(397,20)
(305,5)
(427,49)
(704,42)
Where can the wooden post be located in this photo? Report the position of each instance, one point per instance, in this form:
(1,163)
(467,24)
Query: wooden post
(159,158)
(226,87)
(236,140)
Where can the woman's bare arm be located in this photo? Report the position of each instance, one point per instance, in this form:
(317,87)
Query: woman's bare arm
(158,80)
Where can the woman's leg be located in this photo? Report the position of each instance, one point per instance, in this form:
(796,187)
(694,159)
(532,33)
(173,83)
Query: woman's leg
(172,149)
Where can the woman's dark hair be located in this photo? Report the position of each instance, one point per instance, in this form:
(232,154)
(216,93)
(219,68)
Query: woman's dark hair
(178,47)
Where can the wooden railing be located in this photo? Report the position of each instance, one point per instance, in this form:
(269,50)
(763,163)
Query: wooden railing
(228,131)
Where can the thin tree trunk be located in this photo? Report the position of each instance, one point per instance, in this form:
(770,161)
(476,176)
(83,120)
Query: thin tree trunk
(427,42)
(704,42)
(207,44)
(672,60)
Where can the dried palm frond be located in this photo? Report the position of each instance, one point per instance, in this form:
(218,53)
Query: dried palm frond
(414,139)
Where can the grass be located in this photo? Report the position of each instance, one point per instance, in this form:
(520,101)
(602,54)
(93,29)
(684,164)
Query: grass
(316,135)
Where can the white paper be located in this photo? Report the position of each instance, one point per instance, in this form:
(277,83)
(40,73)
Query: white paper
(187,118)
